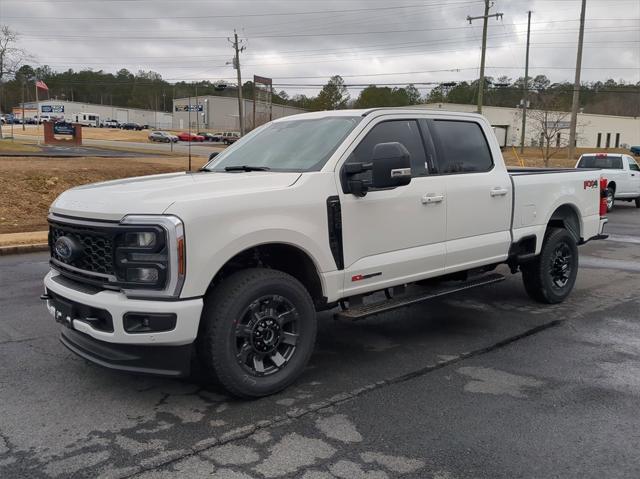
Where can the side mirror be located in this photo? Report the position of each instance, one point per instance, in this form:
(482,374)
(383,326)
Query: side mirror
(390,165)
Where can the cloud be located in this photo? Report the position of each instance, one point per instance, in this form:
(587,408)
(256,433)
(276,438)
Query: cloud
(188,39)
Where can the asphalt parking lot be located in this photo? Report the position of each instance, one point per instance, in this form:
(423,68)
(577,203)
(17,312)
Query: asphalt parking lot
(482,384)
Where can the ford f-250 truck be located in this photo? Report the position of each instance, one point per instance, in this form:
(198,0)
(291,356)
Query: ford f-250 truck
(306,213)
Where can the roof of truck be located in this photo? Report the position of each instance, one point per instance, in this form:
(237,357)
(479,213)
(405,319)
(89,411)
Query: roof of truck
(367,111)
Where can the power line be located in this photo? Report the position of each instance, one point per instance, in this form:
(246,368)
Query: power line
(240,15)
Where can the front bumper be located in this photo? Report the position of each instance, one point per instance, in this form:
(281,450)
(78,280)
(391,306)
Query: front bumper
(172,361)
(160,352)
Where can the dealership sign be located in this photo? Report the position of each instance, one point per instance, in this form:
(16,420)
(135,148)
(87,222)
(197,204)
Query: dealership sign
(52,108)
(189,108)
(63,128)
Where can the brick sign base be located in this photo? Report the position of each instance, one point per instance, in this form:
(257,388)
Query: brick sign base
(50,137)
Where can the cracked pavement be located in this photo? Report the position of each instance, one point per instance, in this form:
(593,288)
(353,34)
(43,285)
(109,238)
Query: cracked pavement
(481,384)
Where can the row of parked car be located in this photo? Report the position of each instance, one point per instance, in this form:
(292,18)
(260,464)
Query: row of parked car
(226,137)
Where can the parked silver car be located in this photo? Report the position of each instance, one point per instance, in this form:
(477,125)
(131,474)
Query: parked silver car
(163,137)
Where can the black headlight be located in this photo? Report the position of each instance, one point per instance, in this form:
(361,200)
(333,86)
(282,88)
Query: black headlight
(150,256)
(141,257)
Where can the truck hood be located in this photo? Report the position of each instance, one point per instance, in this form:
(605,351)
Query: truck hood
(111,200)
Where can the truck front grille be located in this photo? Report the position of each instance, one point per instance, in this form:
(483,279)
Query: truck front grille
(97,255)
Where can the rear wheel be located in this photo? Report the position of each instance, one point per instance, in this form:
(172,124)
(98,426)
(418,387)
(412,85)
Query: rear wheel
(258,331)
(551,276)
(638,202)
(611,199)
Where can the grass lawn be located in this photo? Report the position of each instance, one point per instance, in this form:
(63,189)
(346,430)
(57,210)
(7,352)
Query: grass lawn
(28,185)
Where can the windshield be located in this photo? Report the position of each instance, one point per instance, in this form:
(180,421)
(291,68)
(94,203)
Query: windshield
(292,145)
(601,162)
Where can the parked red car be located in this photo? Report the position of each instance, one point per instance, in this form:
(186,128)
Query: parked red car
(184,136)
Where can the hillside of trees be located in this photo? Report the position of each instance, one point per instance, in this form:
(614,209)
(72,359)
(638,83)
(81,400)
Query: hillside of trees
(147,89)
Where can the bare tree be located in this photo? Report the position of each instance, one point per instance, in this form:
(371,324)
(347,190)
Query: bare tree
(11,57)
(549,125)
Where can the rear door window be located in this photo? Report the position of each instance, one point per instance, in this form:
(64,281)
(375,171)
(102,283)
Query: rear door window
(603,162)
(461,147)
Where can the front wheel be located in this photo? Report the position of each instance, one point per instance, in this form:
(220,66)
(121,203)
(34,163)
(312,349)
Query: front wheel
(551,276)
(257,333)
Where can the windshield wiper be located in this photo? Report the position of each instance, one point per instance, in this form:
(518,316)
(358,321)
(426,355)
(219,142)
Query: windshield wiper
(246,168)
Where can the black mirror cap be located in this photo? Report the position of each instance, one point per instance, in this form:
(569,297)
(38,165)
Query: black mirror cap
(391,165)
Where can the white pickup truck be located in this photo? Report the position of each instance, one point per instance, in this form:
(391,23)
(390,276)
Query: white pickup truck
(622,173)
(307,213)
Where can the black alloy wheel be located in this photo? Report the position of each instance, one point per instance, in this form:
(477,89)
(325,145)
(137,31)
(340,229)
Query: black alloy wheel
(560,265)
(266,335)
(257,332)
(550,277)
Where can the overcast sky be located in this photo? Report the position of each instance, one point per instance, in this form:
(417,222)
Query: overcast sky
(303,42)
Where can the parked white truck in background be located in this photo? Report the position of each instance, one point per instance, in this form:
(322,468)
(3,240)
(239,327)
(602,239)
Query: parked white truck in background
(622,173)
(303,214)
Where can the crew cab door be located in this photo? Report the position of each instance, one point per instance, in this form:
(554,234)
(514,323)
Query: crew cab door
(479,194)
(393,236)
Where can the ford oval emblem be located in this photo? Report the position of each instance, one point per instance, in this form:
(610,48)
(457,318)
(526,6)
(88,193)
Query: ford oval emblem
(67,248)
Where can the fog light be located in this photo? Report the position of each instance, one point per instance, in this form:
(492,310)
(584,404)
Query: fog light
(143,275)
(149,322)
(142,239)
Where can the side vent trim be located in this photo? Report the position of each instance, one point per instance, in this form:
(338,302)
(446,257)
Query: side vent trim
(334,220)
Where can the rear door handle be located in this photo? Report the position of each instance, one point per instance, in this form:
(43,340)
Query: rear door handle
(432,198)
(499,192)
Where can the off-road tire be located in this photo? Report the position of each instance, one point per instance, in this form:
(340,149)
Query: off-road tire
(611,193)
(536,275)
(225,305)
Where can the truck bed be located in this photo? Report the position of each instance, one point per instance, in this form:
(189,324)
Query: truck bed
(538,192)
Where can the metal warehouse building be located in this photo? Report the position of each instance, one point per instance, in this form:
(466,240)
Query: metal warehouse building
(67,109)
(221,113)
(593,131)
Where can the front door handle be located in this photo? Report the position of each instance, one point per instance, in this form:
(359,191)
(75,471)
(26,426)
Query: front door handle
(432,198)
(499,192)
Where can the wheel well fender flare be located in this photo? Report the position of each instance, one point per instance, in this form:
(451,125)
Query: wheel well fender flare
(291,258)
(567,216)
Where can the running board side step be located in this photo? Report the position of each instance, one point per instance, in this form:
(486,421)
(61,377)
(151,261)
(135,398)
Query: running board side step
(363,311)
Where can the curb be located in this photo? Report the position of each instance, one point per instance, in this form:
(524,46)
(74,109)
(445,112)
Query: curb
(23,248)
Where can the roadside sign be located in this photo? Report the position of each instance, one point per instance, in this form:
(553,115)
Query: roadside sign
(52,108)
(63,128)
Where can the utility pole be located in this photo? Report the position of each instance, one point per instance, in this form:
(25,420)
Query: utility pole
(576,86)
(190,139)
(197,111)
(487,5)
(236,64)
(23,118)
(525,88)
